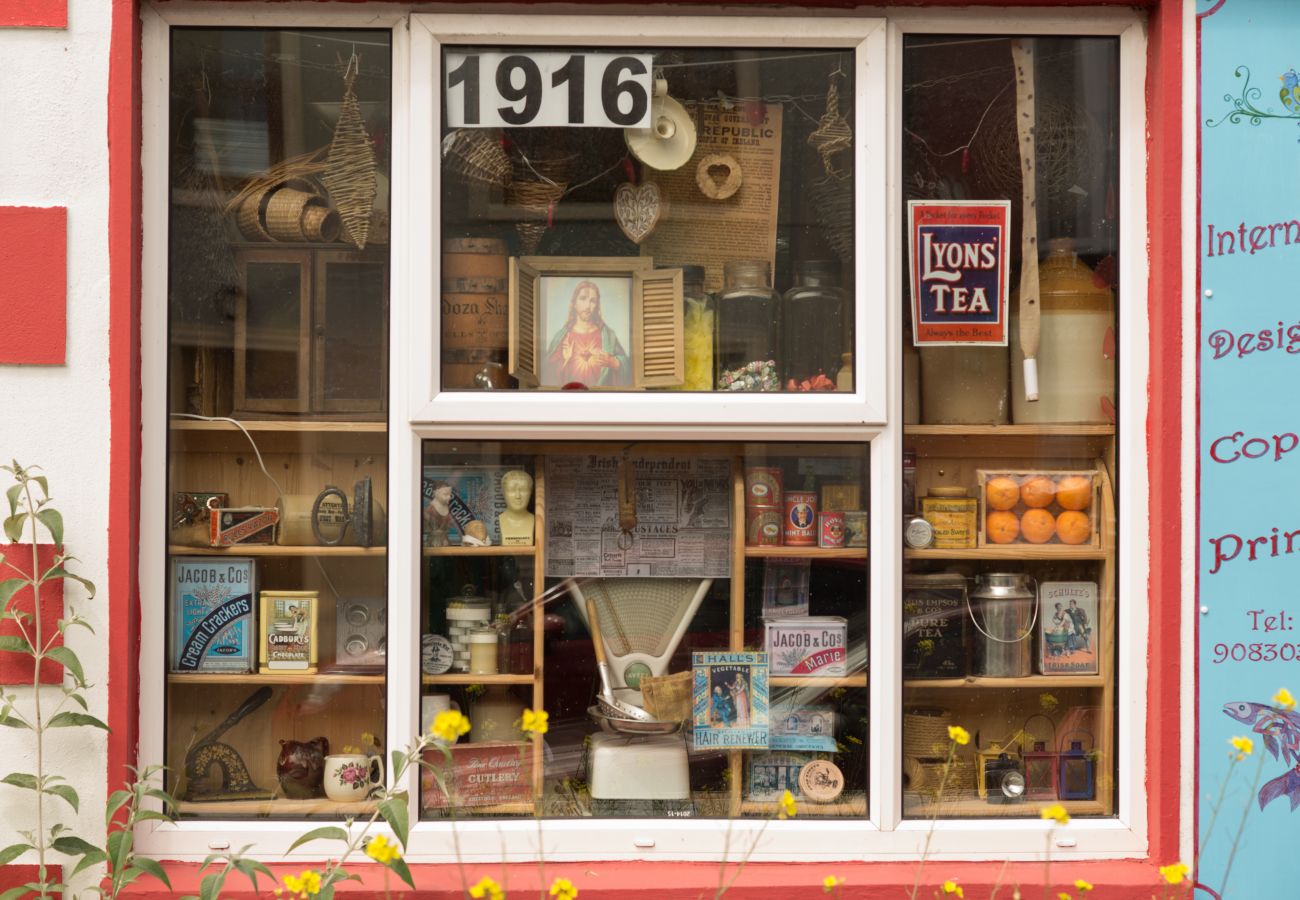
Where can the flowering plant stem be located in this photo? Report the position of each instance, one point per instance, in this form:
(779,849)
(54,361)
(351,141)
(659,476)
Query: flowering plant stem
(934,818)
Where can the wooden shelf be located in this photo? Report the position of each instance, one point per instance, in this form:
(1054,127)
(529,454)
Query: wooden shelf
(1014,552)
(982,809)
(857,553)
(1029,682)
(283,425)
(281,806)
(276,550)
(853,804)
(470,678)
(818,681)
(458,550)
(1009,430)
(210,678)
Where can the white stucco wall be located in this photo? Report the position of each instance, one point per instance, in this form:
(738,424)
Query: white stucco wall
(54,152)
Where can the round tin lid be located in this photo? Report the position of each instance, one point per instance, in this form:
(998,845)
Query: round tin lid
(948,491)
(821,781)
(918,534)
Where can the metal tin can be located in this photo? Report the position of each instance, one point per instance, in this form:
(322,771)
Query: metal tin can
(952,514)
(763,527)
(763,487)
(830,529)
(800,524)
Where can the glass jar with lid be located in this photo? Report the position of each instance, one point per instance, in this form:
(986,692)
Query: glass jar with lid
(697,330)
(812,321)
(747,326)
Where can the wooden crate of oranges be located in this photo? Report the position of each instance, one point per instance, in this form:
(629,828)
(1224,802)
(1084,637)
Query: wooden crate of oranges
(1048,508)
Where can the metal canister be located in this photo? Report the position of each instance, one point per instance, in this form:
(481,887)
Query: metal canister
(763,487)
(762,527)
(830,529)
(465,614)
(1004,608)
(800,525)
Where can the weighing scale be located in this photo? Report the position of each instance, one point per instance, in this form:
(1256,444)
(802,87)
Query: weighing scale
(639,768)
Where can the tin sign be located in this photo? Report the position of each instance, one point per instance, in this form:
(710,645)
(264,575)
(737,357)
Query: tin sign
(958,253)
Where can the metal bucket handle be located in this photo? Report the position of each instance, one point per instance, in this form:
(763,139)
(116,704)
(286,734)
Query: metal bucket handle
(1033,620)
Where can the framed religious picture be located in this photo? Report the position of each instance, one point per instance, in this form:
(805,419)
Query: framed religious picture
(595,323)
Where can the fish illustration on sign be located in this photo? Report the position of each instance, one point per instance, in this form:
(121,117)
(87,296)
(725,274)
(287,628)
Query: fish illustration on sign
(1280,731)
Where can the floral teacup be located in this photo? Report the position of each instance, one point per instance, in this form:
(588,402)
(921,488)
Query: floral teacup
(352,776)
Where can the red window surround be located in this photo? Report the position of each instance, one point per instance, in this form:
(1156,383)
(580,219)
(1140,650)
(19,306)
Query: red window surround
(1122,880)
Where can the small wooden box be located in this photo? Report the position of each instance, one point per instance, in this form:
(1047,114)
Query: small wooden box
(289,639)
(1071,497)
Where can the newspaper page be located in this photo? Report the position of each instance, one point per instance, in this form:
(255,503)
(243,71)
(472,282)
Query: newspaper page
(699,231)
(683,513)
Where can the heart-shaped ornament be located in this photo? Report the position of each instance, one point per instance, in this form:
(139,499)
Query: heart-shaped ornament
(637,209)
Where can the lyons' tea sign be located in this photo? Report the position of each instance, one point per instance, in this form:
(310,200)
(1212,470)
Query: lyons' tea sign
(959,266)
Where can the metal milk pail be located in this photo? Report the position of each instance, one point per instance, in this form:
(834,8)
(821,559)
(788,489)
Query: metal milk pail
(1004,608)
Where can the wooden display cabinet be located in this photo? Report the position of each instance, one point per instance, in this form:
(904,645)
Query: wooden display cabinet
(303,457)
(999,707)
(741,611)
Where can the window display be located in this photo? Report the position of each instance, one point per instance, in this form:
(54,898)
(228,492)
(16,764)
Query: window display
(277,411)
(672,651)
(1009,589)
(723,177)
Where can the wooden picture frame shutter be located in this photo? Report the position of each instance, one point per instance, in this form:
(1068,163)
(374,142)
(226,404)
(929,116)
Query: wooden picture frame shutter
(660,354)
(523,361)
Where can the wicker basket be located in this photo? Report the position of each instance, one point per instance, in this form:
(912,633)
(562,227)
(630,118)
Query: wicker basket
(322,224)
(534,199)
(925,774)
(925,733)
(833,204)
(474,155)
(250,215)
(284,211)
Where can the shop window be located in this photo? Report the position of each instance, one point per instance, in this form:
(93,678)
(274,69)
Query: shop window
(277,465)
(1009,586)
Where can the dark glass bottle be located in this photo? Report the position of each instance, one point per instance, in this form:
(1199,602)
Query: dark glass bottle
(812,322)
(748,317)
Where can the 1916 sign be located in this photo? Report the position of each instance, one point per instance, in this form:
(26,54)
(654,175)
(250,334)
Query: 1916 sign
(960,269)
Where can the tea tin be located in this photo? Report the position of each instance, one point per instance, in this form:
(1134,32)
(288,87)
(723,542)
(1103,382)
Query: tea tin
(830,529)
(763,487)
(800,524)
(762,527)
(807,645)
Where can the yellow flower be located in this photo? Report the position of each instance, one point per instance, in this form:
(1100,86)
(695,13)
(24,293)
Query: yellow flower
(486,889)
(958,735)
(381,851)
(950,886)
(831,882)
(1082,886)
(449,726)
(304,885)
(1048,701)
(1176,873)
(1284,699)
(1063,896)
(534,722)
(369,739)
(788,809)
(1243,745)
(349,748)
(1056,812)
(561,888)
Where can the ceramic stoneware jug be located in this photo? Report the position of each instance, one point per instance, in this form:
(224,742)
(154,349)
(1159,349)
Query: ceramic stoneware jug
(352,776)
(300,766)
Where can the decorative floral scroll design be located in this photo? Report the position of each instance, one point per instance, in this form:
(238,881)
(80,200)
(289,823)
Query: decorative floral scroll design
(1247,105)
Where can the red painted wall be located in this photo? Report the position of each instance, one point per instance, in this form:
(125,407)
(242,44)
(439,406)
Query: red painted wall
(33,283)
(34,14)
(1122,880)
(16,668)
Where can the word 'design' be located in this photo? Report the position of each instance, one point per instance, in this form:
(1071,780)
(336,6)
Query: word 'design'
(959,267)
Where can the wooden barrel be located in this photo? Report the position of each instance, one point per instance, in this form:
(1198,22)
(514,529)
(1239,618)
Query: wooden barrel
(475,308)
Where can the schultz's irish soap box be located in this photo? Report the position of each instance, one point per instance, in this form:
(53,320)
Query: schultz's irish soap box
(807,645)
(212,614)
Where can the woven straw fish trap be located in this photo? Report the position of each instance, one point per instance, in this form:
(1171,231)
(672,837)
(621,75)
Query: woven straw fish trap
(833,204)
(534,200)
(476,155)
(350,172)
(249,203)
(1066,139)
(284,213)
(925,732)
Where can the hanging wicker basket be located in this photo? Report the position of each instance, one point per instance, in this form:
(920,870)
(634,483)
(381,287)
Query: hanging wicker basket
(321,224)
(534,200)
(284,212)
(833,203)
(476,155)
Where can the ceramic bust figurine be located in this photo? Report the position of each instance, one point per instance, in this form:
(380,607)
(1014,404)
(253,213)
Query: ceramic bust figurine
(516,523)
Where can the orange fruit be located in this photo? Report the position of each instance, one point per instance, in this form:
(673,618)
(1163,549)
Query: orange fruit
(1073,527)
(1038,492)
(1002,527)
(1038,526)
(1002,492)
(1074,492)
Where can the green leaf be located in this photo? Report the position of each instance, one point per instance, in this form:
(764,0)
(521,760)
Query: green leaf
(15,893)
(329,833)
(51,519)
(251,868)
(14,526)
(12,852)
(210,887)
(15,644)
(116,801)
(69,661)
(13,494)
(397,816)
(67,793)
(69,719)
(399,867)
(399,763)
(326,893)
(152,867)
(66,625)
(61,572)
(77,699)
(119,848)
(93,858)
(73,846)
(44,483)
(146,815)
(21,780)
(9,587)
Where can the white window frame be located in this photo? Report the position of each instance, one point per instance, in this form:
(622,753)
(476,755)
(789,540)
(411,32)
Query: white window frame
(872,414)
